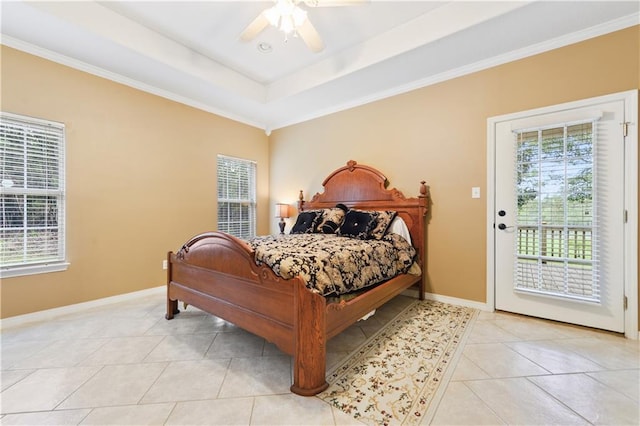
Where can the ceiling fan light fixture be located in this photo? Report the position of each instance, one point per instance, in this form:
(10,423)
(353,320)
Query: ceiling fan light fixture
(285,16)
(273,16)
(299,16)
(286,24)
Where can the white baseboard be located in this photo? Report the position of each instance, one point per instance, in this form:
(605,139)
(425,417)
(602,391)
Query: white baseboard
(457,301)
(451,300)
(63,310)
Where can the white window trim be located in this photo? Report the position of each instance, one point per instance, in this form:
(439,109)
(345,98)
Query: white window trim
(19,271)
(53,265)
(252,201)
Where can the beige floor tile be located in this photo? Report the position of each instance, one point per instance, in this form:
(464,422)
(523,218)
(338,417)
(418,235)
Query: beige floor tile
(185,323)
(181,347)
(392,309)
(371,326)
(597,403)
(157,310)
(271,349)
(236,344)
(115,385)
(529,328)
(498,360)
(489,332)
(467,370)
(123,350)
(624,381)
(290,409)
(150,370)
(460,406)
(60,353)
(122,326)
(138,308)
(212,324)
(257,376)
(51,330)
(518,401)
(347,341)
(614,354)
(44,389)
(554,357)
(335,358)
(619,341)
(572,331)
(232,411)
(15,350)
(148,414)
(49,418)
(188,380)
(491,316)
(10,377)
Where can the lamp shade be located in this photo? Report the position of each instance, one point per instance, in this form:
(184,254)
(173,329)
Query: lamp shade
(282,210)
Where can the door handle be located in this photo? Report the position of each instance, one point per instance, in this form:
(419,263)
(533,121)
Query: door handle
(502,226)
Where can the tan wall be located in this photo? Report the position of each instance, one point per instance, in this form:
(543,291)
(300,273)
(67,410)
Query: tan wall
(439,134)
(141,179)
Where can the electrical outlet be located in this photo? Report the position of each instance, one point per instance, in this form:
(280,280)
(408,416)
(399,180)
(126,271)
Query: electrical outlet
(165,265)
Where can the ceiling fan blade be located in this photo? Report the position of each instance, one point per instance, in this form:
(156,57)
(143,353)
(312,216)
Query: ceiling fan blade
(310,36)
(334,3)
(254,28)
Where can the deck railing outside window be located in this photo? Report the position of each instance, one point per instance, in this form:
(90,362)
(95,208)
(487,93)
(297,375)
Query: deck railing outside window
(549,241)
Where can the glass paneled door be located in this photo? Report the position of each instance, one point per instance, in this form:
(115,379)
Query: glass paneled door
(559,219)
(556,214)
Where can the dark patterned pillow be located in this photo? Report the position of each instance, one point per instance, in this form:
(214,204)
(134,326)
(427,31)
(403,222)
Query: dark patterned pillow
(356,224)
(331,219)
(306,222)
(382,222)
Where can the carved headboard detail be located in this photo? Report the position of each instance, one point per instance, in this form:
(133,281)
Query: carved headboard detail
(364,187)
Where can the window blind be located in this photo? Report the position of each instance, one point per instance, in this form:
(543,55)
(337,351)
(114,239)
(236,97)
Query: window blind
(556,251)
(32,191)
(237,196)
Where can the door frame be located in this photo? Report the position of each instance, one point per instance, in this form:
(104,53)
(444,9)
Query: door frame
(630,236)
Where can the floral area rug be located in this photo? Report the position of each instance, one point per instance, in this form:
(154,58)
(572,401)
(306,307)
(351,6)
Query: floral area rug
(399,375)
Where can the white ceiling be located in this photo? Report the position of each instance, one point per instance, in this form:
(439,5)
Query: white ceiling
(189,51)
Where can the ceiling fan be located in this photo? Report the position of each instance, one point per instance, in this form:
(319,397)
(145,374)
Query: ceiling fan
(291,19)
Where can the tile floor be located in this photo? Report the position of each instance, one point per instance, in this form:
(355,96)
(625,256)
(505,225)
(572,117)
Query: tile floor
(125,364)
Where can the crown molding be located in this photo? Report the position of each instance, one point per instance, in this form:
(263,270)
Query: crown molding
(566,40)
(268,125)
(119,78)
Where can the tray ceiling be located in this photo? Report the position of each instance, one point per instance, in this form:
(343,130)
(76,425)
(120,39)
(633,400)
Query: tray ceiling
(190,51)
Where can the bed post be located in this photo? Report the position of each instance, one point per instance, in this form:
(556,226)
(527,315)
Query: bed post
(310,341)
(172,305)
(423,197)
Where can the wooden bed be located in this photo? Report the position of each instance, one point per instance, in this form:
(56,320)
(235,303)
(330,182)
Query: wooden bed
(216,272)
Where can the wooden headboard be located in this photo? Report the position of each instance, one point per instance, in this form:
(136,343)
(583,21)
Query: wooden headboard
(363,187)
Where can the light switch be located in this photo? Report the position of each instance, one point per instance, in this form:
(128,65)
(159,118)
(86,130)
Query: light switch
(475,192)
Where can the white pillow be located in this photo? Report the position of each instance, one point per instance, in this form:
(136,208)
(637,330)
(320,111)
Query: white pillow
(398,226)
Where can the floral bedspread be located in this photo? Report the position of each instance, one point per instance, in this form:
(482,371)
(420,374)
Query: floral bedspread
(332,265)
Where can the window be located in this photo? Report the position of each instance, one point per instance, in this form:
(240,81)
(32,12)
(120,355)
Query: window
(32,196)
(237,196)
(556,230)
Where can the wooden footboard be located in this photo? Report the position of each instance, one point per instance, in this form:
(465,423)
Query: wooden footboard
(216,273)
